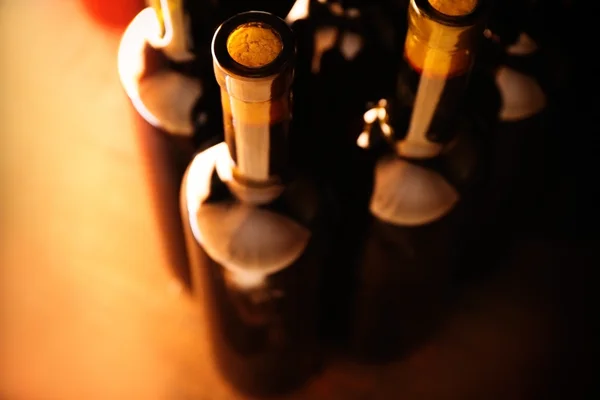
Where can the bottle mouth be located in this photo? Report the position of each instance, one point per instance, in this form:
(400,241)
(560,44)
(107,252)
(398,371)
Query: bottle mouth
(456,13)
(454,8)
(254,44)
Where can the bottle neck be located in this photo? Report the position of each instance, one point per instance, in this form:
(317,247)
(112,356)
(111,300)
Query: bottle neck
(439,56)
(257,138)
(183,28)
(253,58)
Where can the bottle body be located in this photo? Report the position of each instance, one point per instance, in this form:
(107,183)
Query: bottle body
(345,58)
(259,293)
(411,248)
(403,291)
(253,225)
(518,69)
(417,207)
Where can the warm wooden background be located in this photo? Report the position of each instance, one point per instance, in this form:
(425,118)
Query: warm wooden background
(90,307)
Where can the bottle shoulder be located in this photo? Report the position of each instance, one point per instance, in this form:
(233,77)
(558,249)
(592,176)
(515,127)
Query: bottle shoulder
(208,180)
(240,236)
(408,194)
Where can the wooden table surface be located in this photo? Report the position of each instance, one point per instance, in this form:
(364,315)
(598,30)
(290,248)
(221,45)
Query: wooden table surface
(90,305)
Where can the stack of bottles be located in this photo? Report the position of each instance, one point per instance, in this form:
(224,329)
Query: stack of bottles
(358,179)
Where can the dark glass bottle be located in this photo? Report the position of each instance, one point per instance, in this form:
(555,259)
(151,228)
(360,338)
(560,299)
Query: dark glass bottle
(513,73)
(345,58)
(253,224)
(177,92)
(418,203)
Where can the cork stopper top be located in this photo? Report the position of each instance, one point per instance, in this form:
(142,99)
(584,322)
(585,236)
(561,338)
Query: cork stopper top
(454,8)
(254,45)
(253,56)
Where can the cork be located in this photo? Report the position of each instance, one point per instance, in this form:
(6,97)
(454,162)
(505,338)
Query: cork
(254,45)
(454,8)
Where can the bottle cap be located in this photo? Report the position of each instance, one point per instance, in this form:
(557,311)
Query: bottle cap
(253,56)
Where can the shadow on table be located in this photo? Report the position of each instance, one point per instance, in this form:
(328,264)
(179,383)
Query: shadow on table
(516,334)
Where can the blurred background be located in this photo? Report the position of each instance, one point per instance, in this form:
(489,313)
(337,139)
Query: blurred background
(94,300)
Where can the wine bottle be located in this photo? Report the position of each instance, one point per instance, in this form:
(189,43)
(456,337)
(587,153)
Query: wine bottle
(343,61)
(518,67)
(253,224)
(173,88)
(417,216)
